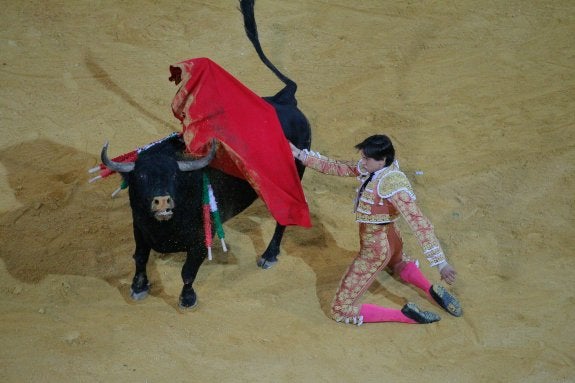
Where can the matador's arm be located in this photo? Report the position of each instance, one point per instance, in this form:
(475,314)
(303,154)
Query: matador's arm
(326,165)
(421,227)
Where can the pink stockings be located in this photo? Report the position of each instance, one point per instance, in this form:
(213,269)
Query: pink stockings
(373,313)
(412,275)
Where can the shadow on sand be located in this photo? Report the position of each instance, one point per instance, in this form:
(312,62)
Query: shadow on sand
(65,226)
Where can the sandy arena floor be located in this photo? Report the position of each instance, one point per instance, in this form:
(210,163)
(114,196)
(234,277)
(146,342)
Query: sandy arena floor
(479,98)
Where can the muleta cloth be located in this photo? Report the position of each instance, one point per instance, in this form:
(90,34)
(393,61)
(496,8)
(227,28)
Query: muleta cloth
(211,103)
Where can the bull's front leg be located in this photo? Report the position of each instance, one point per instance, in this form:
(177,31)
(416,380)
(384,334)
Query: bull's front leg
(270,257)
(140,285)
(194,260)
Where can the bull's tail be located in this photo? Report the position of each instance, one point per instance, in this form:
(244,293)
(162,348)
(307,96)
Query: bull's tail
(287,94)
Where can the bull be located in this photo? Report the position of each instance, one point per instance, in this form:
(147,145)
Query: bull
(165,189)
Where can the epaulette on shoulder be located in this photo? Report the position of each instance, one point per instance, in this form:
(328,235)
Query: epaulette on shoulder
(392,183)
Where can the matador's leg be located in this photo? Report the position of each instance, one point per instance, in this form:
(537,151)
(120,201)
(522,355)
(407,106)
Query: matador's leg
(373,257)
(409,272)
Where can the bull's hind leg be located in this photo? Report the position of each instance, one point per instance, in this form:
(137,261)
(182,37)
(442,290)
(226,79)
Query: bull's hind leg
(270,257)
(188,298)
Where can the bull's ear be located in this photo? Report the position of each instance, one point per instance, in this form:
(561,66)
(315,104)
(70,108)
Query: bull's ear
(189,165)
(120,167)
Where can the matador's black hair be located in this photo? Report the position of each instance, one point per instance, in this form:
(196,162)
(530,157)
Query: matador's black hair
(378,147)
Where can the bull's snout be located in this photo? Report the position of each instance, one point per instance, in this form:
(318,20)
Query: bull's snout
(162,207)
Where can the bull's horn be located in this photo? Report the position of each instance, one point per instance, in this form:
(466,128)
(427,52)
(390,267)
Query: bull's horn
(189,165)
(120,167)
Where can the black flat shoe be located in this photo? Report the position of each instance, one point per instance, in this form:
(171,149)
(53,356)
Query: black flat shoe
(411,311)
(447,301)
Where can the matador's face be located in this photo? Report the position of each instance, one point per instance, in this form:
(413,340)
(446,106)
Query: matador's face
(370,164)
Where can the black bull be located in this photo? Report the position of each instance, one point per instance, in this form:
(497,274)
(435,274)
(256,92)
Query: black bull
(166,190)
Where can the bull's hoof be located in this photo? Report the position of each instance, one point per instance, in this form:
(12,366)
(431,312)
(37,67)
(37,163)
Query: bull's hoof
(188,298)
(138,296)
(140,287)
(266,263)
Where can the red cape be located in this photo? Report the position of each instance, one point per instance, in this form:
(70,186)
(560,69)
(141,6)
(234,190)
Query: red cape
(211,103)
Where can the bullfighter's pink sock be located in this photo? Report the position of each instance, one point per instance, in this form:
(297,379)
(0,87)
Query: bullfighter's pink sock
(412,274)
(374,313)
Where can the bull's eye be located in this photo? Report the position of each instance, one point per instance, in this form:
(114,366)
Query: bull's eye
(156,202)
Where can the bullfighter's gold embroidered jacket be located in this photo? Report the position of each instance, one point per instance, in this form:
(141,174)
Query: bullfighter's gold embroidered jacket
(386,196)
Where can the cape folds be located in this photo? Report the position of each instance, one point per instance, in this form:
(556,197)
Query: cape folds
(211,103)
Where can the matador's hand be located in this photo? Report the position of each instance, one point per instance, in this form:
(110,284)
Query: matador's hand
(448,273)
(295,151)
